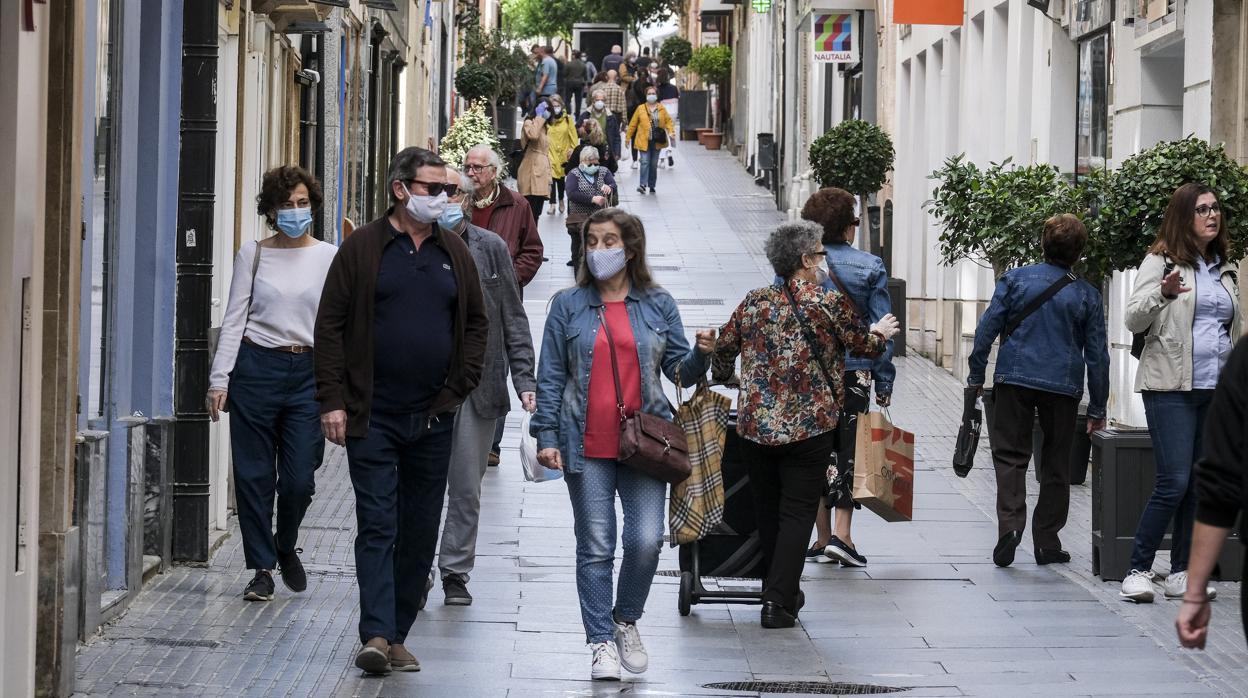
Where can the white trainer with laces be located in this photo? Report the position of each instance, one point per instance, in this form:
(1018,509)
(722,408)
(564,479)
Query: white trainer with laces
(1176,587)
(606,662)
(632,653)
(1138,586)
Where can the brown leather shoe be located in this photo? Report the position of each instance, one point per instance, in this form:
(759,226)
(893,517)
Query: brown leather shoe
(402,660)
(374,656)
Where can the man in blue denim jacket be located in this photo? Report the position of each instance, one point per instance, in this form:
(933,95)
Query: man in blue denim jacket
(1039,371)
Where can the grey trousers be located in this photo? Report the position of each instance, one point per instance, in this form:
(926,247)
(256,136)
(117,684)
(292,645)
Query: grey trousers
(470,447)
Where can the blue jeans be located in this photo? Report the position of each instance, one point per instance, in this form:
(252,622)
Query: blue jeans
(399,472)
(1175,423)
(276,442)
(643,499)
(649,166)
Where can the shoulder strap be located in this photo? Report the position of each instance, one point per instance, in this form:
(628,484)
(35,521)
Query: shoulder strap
(615,368)
(1067,279)
(810,337)
(836,281)
(255,266)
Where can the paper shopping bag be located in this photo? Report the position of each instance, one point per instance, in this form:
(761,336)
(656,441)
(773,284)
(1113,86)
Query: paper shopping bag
(697,504)
(884,468)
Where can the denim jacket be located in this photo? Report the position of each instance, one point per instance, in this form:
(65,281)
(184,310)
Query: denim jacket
(865,280)
(563,370)
(1051,348)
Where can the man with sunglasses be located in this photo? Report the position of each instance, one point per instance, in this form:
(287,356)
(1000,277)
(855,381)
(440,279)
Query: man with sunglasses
(400,342)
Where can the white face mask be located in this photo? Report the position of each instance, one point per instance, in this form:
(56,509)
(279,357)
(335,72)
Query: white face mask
(651,99)
(600,105)
(425,208)
(604,264)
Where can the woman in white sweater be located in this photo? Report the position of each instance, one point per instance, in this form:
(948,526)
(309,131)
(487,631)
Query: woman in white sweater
(262,375)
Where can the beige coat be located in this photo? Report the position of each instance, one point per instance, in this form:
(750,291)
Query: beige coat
(1166,363)
(533,179)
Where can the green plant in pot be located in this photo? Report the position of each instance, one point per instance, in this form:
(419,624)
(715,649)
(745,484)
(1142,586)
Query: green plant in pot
(714,65)
(676,51)
(467,130)
(855,155)
(474,81)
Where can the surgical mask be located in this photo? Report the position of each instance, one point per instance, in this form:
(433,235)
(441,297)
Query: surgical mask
(451,217)
(604,264)
(425,208)
(556,110)
(590,170)
(651,99)
(294,221)
(600,105)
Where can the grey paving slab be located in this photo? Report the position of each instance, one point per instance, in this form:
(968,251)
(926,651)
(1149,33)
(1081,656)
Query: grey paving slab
(930,613)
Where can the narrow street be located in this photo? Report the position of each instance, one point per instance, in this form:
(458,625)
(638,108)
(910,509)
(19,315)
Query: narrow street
(931,613)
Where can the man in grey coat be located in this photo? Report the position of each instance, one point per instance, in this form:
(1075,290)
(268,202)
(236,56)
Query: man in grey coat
(510,343)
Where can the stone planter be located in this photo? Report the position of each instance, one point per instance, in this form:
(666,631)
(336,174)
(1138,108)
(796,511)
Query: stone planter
(713,141)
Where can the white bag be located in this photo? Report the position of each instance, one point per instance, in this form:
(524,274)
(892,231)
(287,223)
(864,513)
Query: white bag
(533,470)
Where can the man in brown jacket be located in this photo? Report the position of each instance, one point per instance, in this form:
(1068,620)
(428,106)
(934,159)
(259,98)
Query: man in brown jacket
(503,212)
(400,342)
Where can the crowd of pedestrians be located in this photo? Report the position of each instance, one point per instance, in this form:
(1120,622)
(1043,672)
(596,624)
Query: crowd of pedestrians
(398,345)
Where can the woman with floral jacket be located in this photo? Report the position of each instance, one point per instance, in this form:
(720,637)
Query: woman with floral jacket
(790,397)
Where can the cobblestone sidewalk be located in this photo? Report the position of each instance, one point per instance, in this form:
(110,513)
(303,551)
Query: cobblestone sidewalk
(930,613)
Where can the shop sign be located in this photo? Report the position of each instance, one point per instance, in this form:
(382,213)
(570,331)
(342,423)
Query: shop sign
(835,37)
(947,12)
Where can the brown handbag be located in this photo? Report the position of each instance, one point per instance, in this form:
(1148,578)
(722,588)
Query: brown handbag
(649,443)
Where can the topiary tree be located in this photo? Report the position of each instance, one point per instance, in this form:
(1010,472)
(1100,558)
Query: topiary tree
(467,130)
(676,51)
(714,65)
(474,81)
(855,156)
(1132,202)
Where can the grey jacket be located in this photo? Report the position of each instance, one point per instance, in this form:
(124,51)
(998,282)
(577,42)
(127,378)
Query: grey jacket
(510,341)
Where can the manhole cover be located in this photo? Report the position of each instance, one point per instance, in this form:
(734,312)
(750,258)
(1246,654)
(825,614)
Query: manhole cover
(167,642)
(807,687)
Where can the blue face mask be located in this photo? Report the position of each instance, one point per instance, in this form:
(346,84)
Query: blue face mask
(451,217)
(294,221)
(590,170)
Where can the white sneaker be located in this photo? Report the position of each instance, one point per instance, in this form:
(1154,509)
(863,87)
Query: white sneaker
(636,164)
(1176,586)
(632,653)
(606,662)
(1138,586)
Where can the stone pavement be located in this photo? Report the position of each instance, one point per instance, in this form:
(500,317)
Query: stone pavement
(931,612)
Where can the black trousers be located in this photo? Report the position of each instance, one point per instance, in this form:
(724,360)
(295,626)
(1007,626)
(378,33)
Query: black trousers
(1014,409)
(535,205)
(786,481)
(557,189)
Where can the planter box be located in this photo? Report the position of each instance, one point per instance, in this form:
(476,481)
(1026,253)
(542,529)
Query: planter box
(897,298)
(1122,481)
(700,133)
(713,141)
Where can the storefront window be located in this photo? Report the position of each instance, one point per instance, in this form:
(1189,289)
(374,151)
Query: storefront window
(1092,104)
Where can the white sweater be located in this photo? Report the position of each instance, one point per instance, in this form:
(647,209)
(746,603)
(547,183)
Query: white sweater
(283,311)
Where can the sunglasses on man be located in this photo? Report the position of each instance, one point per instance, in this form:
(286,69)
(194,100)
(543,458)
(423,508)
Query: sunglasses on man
(435,188)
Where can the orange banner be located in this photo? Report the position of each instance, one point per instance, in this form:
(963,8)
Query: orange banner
(928,12)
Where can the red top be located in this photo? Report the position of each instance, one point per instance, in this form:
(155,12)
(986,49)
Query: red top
(602,417)
(481,216)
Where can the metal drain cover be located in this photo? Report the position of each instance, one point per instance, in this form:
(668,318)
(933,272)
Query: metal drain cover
(806,687)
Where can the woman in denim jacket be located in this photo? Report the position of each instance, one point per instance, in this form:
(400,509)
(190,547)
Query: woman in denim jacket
(577,423)
(864,280)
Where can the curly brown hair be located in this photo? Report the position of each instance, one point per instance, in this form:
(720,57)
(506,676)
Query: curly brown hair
(832,208)
(275,189)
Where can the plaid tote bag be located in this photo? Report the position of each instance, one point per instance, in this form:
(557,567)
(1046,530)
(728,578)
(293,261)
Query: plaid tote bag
(697,504)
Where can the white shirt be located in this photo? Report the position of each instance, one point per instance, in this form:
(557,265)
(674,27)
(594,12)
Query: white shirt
(283,310)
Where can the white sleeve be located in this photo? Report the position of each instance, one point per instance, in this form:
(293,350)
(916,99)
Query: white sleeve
(235,319)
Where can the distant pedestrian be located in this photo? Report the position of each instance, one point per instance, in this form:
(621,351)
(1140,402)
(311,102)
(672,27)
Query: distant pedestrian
(593,136)
(1039,371)
(1221,497)
(510,347)
(262,375)
(650,130)
(590,186)
(400,341)
(533,179)
(561,132)
(617,101)
(577,76)
(577,424)
(613,60)
(608,123)
(545,72)
(1186,301)
(788,409)
(862,280)
(591,70)
(645,60)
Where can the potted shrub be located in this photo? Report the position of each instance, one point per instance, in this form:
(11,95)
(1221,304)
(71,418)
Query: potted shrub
(491,53)
(855,155)
(676,51)
(714,65)
(467,130)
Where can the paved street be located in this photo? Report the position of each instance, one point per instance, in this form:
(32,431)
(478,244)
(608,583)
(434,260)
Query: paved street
(931,613)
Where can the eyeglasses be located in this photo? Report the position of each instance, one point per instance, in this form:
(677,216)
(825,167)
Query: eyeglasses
(818,253)
(477,168)
(435,188)
(1206,210)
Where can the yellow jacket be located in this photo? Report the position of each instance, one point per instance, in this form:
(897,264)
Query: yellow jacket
(563,139)
(639,126)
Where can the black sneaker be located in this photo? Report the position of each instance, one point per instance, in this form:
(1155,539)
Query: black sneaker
(291,569)
(844,552)
(424,596)
(815,551)
(651,190)
(641,190)
(455,588)
(260,588)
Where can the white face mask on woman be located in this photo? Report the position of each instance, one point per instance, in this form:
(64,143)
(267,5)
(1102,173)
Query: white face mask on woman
(604,264)
(600,105)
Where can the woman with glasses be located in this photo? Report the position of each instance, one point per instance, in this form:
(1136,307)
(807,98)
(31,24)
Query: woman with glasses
(1186,303)
(792,338)
(262,375)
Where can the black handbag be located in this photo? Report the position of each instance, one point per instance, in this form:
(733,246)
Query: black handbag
(968,433)
(1138,339)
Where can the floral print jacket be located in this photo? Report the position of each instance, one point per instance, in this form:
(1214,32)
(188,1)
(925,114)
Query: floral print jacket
(785,396)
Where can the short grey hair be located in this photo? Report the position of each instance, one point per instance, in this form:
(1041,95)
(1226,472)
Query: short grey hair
(406,162)
(495,160)
(465,185)
(587,153)
(595,93)
(789,242)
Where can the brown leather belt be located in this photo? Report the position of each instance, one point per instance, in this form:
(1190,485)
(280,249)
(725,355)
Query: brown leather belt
(290,349)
